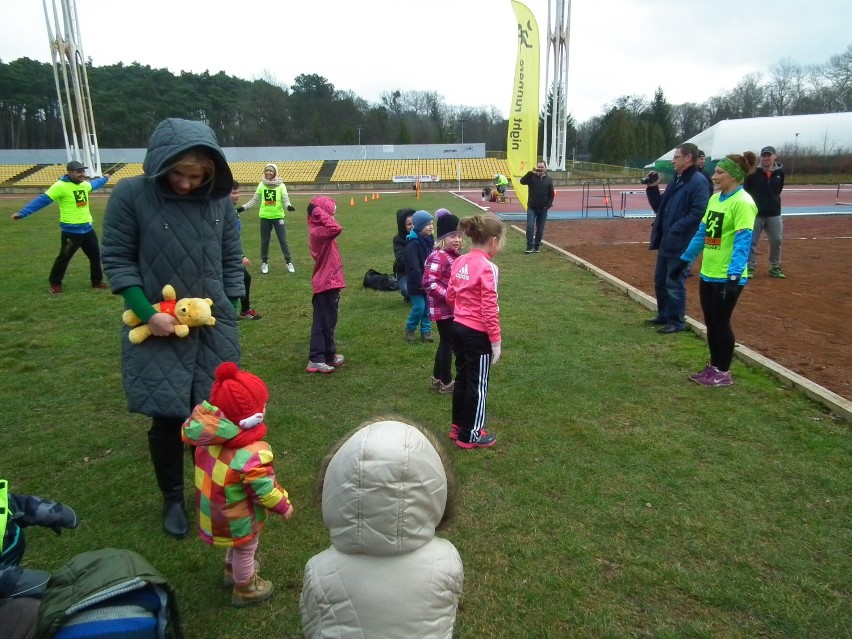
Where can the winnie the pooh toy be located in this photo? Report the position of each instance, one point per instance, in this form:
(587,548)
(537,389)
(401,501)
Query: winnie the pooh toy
(189,311)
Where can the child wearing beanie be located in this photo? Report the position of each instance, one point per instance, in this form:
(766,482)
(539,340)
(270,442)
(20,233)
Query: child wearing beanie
(436,278)
(327,282)
(235,482)
(419,245)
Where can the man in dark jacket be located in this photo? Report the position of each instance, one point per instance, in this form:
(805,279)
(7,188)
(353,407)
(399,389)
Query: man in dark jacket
(702,158)
(678,213)
(540,199)
(765,185)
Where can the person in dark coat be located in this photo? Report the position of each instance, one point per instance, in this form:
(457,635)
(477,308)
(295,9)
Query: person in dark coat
(678,213)
(419,244)
(765,185)
(175,225)
(403,228)
(540,199)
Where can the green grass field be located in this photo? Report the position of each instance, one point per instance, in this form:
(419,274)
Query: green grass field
(621,500)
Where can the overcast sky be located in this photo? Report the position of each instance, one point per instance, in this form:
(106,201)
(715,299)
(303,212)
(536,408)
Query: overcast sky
(462,49)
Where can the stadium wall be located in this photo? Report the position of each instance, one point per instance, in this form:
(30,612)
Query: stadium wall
(271,153)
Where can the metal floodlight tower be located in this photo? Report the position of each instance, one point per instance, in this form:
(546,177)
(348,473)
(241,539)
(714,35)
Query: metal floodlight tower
(559,35)
(75,100)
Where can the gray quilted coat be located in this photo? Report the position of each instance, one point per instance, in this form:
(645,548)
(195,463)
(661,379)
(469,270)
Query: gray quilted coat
(153,237)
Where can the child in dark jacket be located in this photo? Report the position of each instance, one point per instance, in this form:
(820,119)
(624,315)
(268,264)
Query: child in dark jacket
(436,278)
(419,244)
(403,227)
(327,282)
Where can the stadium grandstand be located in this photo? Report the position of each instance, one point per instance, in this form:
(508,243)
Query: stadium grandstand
(294,173)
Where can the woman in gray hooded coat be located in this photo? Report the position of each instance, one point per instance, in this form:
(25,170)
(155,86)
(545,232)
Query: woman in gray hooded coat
(175,225)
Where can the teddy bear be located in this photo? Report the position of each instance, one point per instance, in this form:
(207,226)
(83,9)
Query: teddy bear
(189,311)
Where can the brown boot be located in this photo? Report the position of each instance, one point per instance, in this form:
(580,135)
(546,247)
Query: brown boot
(228,579)
(256,591)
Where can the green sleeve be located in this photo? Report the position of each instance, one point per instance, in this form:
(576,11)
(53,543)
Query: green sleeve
(138,303)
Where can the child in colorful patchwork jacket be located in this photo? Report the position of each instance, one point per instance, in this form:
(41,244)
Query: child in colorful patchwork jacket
(235,482)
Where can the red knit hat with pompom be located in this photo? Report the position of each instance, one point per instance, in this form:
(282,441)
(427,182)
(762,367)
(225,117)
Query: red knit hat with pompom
(240,395)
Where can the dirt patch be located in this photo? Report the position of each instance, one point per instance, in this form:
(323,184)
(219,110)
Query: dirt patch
(803,322)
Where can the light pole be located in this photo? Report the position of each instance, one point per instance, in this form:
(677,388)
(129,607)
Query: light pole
(795,154)
(461,124)
(359,127)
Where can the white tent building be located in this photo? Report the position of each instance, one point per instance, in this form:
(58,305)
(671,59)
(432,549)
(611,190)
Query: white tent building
(822,134)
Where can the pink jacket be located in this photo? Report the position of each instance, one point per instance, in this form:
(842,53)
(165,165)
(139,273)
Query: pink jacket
(436,277)
(472,292)
(323,228)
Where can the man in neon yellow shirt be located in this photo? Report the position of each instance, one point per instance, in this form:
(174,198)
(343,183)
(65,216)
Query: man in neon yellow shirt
(71,192)
(500,183)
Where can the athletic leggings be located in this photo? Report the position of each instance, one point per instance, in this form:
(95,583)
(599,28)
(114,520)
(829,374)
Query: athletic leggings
(717,317)
(241,559)
(443,368)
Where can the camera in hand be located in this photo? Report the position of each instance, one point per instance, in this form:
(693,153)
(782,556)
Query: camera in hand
(653,176)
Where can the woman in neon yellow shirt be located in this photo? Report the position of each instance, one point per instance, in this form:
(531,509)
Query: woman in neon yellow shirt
(724,239)
(273,198)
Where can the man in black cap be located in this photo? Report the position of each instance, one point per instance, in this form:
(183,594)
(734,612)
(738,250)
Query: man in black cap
(71,192)
(765,185)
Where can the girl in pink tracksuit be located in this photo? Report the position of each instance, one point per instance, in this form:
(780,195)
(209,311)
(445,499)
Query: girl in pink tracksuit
(472,292)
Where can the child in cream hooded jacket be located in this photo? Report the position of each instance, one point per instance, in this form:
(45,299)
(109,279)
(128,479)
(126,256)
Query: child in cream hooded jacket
(385,491)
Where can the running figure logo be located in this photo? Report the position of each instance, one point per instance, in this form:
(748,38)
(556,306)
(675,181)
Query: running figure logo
(713,235)
(80,199)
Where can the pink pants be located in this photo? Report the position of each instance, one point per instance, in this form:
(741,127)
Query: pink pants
(241,560)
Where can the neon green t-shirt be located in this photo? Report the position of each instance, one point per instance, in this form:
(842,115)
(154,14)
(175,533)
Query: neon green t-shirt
(272,201)
(73,201)
(722,220)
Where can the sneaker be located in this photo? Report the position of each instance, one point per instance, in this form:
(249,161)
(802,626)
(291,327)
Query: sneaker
(536,250)
(715,377)
(776,272)
(55,289)
(657,321)
(447,389)
(228,579)
(319,367)
(409,336)
(338,361)
(254,592)
(718,378)
(702,373)
(436,383)
(426,337)
(264,268)
(485,440)
(528,251)
(455,429)
(290,267)
(101,286)
(251,314)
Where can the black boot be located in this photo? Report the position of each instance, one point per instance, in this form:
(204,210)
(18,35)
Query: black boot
(175,521)
(166,449)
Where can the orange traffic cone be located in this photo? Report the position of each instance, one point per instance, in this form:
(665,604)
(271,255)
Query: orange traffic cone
(351,201)
(373,196)
(365,198)
(377,196)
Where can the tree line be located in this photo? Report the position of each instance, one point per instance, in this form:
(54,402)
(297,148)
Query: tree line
(129,100)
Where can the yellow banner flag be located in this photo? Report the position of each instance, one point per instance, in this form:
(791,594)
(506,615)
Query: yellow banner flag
(522,136)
